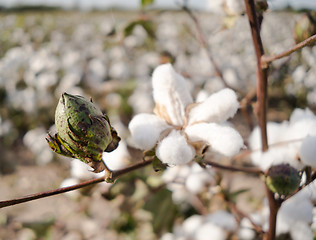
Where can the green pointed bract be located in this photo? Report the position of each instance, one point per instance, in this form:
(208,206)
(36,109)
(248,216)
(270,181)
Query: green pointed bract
(83,132)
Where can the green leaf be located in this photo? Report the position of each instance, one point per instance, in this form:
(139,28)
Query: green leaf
(158,165)
(163,209)
(233,196)
(145,3)
(146,24)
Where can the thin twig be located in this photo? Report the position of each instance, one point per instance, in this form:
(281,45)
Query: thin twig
(251,170)
(114,175)
(267,59)
(204,45)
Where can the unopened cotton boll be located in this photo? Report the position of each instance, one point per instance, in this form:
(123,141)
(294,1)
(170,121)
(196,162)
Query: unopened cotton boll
(217,108)
(308,151)
(175,150)
(222,139)
(145,130)
(170,93)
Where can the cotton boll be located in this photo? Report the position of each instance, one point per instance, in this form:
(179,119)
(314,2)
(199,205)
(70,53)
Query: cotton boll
(222,139)
(301,230)
(168,236)
(170,93)
(222,219)
(174,149)
(195,183)
(308,151)
(210,231)
(216,108)
(146,129)
(191,224)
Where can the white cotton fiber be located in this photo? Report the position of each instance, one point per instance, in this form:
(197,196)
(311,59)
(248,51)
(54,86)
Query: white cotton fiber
(170,93)
(299,114)
(175,150)
(146,129)
(217,108)
(210,231)
(191,224)
(222,139)
(118,158)
(223,219)
(195,182)
(307,151)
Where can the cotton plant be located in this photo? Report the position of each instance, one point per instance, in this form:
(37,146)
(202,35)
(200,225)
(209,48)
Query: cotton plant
(180,129)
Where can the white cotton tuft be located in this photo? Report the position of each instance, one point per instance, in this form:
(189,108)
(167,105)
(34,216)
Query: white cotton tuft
(70,182)
(217,108)
(146,129)
(308,151)
(196,182)
(222,219)
(299,114)
(222,139)
(82,171)
(170,93)
(175,150)
(191,224)
(210,231)
(118,158)
(301,230)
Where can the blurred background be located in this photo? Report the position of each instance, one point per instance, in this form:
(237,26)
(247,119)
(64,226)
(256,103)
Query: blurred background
(107,50)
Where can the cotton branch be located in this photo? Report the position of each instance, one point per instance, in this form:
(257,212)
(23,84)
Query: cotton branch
(262,96)
(112,177)
(267,59)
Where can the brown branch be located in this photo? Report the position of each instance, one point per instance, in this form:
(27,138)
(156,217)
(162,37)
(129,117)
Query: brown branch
(251,170)
(262,77)
(114,175)
(267,59)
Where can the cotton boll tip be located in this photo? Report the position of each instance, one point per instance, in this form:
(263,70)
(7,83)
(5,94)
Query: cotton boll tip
(283,179)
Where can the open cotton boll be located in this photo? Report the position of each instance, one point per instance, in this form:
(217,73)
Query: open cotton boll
(217,108)
(222,139)
(301,230)
(191,224)
(299,114)
(146,129)
(195,182)
(210,231)
(222,219)
(308,151)
(175,150)
(171,94)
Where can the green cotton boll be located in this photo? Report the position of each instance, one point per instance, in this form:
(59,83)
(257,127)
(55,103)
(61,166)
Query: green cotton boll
(283,179)
(83,131)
